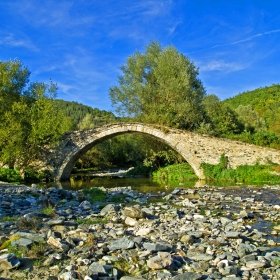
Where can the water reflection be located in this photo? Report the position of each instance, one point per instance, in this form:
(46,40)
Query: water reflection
(140,184)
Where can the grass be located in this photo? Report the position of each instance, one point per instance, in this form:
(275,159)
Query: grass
(8,219)
(94,221)
(49,211)
(36,253)
(94,194)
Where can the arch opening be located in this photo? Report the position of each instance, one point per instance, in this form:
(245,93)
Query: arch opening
(72,158)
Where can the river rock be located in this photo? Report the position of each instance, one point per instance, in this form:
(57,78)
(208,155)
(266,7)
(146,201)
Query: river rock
(143,231)
(55,242)
(188,276)
(162,260)
(255,264)
(134,212)
(196,256)
(130,222)
(122,243)
(71,275)
(109,208)
(97,269)
(85,205)
(9,261)
(22,243)
(155,247)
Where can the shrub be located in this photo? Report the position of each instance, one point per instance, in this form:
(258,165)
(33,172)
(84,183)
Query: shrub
(10,175)
(175,173)
(94,194)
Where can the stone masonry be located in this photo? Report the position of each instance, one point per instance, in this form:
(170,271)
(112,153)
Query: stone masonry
(195,148)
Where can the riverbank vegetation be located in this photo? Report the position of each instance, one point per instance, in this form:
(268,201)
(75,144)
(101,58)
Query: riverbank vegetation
(175,173)
(257,173)
(159,86)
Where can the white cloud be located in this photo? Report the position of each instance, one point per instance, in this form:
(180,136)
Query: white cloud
(12,41)
(220,65)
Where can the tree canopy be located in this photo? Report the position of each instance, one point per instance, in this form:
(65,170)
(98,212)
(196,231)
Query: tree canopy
(160,86)
(265,102)
(28,117)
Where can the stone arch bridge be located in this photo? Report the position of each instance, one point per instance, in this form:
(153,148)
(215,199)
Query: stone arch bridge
(195,148)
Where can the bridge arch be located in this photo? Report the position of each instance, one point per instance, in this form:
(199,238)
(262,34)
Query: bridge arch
(91,137)
(194,148)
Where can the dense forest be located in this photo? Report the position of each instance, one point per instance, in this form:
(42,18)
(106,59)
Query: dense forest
(83,116)
(264,101)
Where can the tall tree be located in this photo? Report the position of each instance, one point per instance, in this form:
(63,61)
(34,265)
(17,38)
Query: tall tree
(14,77)
(160,86)
(29,119)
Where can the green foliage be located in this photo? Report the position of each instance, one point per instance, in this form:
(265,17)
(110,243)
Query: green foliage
(160,86)
(49,211)
(174,173)
(13,78)
(29,119)
(94,194)
(82,116)
(242,174)
(32,175)
(222,120)
(10,175)
(161,158)
(250,118)
(91,221)
(262,138)
(8,219)
(265,101)
(141,169)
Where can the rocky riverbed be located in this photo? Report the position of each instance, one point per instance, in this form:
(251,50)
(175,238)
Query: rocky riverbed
(200,233)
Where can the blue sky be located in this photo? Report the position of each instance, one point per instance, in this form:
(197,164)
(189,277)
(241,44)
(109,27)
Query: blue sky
(81,44)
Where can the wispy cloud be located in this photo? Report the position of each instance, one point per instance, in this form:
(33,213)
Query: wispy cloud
(51,13)
(239,41)
(219,65)
(12,41)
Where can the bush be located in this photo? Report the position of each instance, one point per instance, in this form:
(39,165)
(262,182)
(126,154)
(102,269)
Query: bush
(175,173)
(94,194)
(32,175)
(10,175)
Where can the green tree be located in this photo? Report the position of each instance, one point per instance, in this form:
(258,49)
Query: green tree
(160,86)
(31,121)
(222,119)
(14,77)
(250,118)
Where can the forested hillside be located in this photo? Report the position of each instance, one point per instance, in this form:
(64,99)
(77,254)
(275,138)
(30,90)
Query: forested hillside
(265,101)
(79,114)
